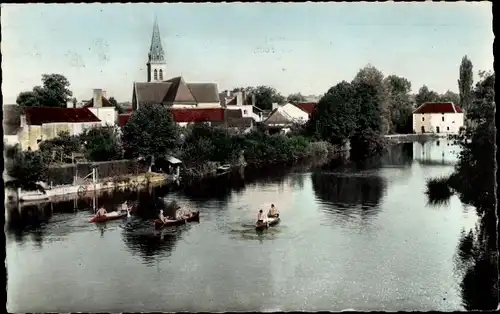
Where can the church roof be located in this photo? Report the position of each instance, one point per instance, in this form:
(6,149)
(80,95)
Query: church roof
(42,115)
(176,90)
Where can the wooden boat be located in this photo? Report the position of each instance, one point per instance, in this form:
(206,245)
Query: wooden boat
(109,216)
(170,223)
(270,222)
(34,197)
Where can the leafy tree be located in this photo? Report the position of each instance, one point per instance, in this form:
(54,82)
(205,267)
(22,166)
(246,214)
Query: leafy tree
(295,98)
(425,95)
(334,119)
(113,101)
(101,144)
(465,82)
(60,149)
(401,106)
(150,131)
(54,93)
(265,96)
(450,96)
(372,90)
(25,168)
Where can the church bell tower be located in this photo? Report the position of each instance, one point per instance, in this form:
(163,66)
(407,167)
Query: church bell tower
(156,65)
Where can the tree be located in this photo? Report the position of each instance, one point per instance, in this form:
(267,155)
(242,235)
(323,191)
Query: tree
(465,82)
(265,96)
(372,90)
(113,101)
(450,96)
(53,93)
(150,131)
(101,144)
(295,98)
(400,104)
(60,149)
(425,95)
(334,119)
(25,168)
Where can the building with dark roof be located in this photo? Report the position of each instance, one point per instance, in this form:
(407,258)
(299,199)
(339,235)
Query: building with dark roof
(438,117)
(38,124)
(175,91)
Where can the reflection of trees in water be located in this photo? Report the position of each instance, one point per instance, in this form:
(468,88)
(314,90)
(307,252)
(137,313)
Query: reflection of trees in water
(150,244)
(479,282)
(398,155)
(29,220)
(349,190)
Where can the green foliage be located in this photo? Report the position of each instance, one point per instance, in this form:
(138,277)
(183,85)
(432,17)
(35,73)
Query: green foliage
(334,119)
(150,131)
(101,144)
(60,149)
(113,101)
(400,105)
(465,81)
(26,168)
(265,96)
(425,95)
(53,93)
(450,96)
(438,190)
(295,98)
(367,143)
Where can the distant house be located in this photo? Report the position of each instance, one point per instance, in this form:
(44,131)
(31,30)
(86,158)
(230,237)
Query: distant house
(100,106)
(238,101)
(176,93)
(438,117)
(44,123)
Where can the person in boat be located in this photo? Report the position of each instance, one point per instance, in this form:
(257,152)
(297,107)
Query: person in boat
(261,217)
(124,206)
(162,217)
(101,212)
(273,212)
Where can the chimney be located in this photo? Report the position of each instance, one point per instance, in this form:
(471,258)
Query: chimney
(253,100)
(239,98)
(70,104)
(97,98)
(23,120)
(275,105)
(228,93)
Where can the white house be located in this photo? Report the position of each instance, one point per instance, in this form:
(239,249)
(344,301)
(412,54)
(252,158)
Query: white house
(239,101)
(100,106)
(438,117)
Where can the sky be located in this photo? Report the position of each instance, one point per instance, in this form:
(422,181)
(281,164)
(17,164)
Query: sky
(293,47)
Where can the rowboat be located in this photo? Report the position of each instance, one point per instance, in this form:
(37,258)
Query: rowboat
(170,223)
(109,216)
(270,222)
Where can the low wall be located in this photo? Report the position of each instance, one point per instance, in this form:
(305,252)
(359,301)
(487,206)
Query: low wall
(407,138)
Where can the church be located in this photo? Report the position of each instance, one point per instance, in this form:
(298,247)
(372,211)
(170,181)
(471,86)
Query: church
(173,92)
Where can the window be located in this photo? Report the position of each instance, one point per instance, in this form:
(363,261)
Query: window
(442,118)
(161,75)
(447,128)
(423,119)
(155,75)
(245,112)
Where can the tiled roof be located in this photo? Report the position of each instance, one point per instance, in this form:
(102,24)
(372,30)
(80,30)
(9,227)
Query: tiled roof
(105,103)
(308,107)
(123,119)
(458,109)
(278,117)
(41,115)
(197,115)
(438,107)
(176,90)
(11,119)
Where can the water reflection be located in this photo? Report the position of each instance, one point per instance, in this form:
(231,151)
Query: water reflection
(349,191)
(436,153)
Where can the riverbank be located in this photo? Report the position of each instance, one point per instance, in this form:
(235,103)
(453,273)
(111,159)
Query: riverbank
(408,138)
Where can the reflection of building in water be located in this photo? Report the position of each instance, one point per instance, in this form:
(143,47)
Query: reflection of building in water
(441,151)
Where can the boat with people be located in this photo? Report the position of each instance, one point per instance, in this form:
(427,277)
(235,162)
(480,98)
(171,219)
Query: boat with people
(270,222)
(160,224)
(264,221)
(102,215)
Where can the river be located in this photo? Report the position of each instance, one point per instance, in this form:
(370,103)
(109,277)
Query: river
(362,239)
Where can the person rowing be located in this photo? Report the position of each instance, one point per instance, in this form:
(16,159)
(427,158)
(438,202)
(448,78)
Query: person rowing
(162,217)
(261,217)
(125,207)
(273,212)
(101,212)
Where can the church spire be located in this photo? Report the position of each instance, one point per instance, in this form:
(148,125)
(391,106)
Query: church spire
(156,53)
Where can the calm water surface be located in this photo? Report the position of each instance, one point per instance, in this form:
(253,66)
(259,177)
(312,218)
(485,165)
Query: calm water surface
(362,239)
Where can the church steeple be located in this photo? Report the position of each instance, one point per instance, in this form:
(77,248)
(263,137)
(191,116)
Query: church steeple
(156,58)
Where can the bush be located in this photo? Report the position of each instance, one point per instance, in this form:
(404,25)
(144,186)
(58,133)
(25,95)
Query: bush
(366,144)
(438,190)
